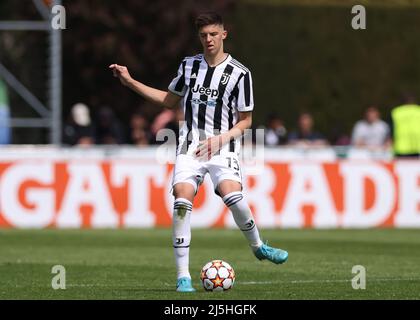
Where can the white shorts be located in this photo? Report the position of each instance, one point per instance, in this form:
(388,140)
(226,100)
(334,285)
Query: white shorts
(220,167)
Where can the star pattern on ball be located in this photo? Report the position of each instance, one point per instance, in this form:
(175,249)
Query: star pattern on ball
(217,264)
(231,274)
(217,282)
(214,275)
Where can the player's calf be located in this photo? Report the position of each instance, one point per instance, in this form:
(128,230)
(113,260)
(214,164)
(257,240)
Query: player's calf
(181,236)
(243,217)
(244,220)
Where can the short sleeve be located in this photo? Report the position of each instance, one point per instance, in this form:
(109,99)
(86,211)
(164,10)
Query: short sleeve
(357,133)
(387,130)
(177,86)
(245,93)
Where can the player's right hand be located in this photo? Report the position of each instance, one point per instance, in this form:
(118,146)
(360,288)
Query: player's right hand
(122,73)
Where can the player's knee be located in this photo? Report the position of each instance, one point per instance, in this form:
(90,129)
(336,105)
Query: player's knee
(228,186)
(185,191)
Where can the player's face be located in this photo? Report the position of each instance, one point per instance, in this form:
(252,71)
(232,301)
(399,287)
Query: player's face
(211,38)
(306,122)
(372,115)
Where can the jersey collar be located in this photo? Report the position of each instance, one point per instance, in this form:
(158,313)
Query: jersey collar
(227,59)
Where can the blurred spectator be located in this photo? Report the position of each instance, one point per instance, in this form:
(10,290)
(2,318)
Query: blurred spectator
(371,131)
(139,130)
(405,128)
(275,132)
(78,130)
(4,115)
(176,122)
(305,134)
(162,119)
(338,136)
(342,140)
(108,128)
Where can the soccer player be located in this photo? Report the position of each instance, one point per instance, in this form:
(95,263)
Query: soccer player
(217,97)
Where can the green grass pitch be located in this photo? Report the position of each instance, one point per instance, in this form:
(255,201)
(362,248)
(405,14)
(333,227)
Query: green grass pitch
(139,264)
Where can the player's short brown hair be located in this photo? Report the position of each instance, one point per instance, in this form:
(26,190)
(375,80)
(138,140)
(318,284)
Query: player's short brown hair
(208,18)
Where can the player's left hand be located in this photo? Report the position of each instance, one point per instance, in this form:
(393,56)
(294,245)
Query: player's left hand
(207,148)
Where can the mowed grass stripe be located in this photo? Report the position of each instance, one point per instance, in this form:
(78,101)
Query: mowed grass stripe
(139,264)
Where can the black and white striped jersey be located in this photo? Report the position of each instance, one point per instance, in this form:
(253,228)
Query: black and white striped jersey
(212,98)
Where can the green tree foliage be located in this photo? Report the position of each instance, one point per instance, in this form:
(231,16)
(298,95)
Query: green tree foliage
(309,58)
(149,37)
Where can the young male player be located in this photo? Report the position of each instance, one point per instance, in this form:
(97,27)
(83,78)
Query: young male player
(216,92)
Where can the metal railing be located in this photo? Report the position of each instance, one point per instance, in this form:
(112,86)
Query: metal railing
(49,117)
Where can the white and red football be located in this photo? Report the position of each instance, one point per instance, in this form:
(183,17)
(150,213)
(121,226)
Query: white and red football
(217,275)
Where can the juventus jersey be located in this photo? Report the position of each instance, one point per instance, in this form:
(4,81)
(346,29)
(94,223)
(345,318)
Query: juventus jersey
(212,98)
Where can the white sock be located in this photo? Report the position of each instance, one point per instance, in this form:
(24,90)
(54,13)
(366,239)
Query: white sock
(181,236)
(243,217)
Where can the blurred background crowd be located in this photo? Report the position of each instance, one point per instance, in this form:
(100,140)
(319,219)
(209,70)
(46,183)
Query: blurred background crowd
(105,128)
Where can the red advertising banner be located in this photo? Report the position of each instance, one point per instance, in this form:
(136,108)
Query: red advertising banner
(118,193)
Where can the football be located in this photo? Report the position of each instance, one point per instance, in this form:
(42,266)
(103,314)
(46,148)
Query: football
(217,275)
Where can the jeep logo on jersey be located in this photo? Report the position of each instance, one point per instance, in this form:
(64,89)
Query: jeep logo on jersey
(206,91)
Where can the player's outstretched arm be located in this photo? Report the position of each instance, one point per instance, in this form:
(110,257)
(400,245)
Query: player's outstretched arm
(159,97)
